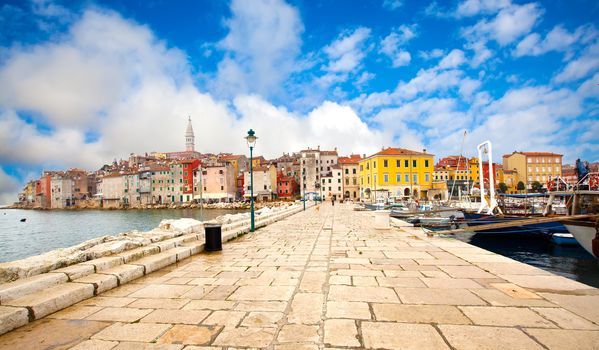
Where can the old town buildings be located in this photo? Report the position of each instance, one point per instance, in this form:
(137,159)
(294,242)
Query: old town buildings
(158,179)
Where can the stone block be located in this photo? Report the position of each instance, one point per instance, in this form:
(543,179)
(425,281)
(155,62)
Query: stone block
(119,314)
(176,316)
(22,287)
(505,317)
(76,271)
(100,282)
(195,247)
(476,337)
(104,263)
(125,273)
(137,332)
(12,317)
(182,252)
(341,332)
(443,314)
(156,262)
(188,334)
(245,337)
(55,298)
(387,335)
(138,253)
(566,339)
(298,333)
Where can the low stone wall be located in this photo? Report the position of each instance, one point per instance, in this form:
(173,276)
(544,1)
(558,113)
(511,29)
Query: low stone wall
(41,288)
(110,245)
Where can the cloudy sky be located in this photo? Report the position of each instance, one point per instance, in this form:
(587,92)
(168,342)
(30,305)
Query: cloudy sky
(85,82)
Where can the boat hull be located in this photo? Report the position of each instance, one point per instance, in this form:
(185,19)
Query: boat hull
(585,234)
(475,219)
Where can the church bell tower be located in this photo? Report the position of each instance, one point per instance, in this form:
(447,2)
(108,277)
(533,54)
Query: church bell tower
(189,138)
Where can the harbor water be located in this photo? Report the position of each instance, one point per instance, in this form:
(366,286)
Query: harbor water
(537,250)
(43,231)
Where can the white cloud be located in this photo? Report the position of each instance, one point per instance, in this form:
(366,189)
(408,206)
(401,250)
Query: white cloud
(391,45)
(476,7)
(9,188)
(585,64)
(508,25)
(428,55)
(347,51)
(481,52)
(392,4)
(149,109)
(558,39)
(364,78)
(261,48)
(454,59)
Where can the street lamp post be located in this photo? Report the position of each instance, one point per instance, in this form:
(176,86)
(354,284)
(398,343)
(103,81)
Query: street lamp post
(251,140)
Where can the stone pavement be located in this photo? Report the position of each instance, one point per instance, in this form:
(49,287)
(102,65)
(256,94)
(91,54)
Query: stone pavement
(325,279)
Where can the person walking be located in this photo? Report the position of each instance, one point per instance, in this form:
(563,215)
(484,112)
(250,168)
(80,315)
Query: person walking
(333,200)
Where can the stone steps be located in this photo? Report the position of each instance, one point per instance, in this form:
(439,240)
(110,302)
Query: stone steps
(32,298)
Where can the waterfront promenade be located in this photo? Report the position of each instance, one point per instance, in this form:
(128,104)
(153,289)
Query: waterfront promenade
(327,279)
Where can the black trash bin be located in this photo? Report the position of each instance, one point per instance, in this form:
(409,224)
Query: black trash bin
(213,238)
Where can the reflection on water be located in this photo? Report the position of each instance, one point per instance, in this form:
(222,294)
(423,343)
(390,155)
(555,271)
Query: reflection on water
(569,261)
(47,230)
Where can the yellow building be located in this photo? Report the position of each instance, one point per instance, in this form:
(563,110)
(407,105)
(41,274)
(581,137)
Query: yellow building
(534,166)
(396,173)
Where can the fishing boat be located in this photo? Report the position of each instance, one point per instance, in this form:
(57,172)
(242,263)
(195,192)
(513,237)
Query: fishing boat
(586,233)
(547,228)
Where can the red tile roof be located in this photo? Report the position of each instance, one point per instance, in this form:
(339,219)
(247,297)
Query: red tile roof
(352,159)
(392,151)
(534,154)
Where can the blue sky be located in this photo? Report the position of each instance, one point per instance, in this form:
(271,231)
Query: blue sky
(86,82)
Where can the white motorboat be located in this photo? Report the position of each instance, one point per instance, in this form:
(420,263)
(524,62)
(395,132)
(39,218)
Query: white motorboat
(586,233)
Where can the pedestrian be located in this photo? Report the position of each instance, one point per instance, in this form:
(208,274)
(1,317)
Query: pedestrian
(333,200)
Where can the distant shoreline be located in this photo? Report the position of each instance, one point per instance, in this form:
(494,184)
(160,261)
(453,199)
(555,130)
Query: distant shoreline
(231,206)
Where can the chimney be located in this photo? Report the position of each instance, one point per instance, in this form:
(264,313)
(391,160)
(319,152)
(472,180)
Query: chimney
(424,150)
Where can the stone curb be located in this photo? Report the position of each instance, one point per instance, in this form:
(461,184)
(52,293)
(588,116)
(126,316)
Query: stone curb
(32,298)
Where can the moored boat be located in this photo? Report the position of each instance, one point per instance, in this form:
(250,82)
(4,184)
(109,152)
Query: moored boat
(586,233)
(563,239)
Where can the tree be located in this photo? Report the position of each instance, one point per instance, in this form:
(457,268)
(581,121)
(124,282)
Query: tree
(536,186)
(502,187)
(520,186)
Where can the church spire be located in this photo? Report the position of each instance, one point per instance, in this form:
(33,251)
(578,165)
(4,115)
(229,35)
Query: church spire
(189,138)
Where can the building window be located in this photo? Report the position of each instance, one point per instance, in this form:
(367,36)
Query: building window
(385,163)
(398,177)
(374,164)
(353,170)
(354,181)
(426,163)
(385,177)
(427,177)
(415,178)
(361,168)
(329,180)
(222,188)
(397,163)
(374,178)
(406,177)
(346,171)
(406,163)
(414,163)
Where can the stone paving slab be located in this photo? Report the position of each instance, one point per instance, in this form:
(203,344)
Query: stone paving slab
(323,279)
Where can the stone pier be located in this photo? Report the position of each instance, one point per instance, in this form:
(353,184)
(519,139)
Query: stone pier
(326,279)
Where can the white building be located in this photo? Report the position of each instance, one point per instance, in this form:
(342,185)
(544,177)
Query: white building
(265,183)
(61,192)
